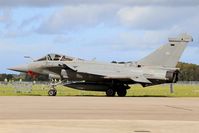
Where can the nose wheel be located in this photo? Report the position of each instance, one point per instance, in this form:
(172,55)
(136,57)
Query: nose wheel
(52,92)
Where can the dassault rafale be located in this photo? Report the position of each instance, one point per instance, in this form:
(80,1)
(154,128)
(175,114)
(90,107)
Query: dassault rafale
(115,77)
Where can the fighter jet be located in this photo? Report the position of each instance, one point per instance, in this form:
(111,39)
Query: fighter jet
(115,77)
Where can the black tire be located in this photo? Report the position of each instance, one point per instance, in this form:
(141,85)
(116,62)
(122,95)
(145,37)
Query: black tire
(52,92)
(121,92)
(110,92)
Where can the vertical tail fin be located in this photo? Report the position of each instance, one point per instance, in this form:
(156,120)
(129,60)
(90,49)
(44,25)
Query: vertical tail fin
(169,54)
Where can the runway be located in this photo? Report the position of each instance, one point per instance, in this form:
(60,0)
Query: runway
(23,114)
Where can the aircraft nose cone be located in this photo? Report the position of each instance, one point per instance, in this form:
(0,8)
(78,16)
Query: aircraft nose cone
(20,68)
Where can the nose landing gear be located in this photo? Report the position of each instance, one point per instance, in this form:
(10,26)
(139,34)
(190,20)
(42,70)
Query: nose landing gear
(52,92)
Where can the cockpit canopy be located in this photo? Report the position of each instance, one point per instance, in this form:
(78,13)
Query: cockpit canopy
(56,57)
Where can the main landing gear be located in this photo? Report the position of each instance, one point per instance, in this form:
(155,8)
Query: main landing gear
(120,89)
(110,92)
(121,92)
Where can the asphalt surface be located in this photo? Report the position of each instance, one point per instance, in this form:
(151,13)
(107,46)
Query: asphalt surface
(98,114)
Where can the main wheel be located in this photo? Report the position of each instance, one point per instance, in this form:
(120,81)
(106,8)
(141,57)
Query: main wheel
(110,92)
(52,92)
(121,92)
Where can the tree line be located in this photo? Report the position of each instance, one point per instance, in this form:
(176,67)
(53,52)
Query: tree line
(188,72)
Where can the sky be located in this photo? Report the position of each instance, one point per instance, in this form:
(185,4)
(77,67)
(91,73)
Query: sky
(103,29)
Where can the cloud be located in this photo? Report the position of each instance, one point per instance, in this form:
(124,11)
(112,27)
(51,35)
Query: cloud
(27,22)
(77,17)
(78,14)
(154,17)
(47,3)
(16,23)
(6,17)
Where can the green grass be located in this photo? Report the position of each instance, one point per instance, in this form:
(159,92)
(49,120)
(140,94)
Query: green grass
(134,91)
(164,91)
